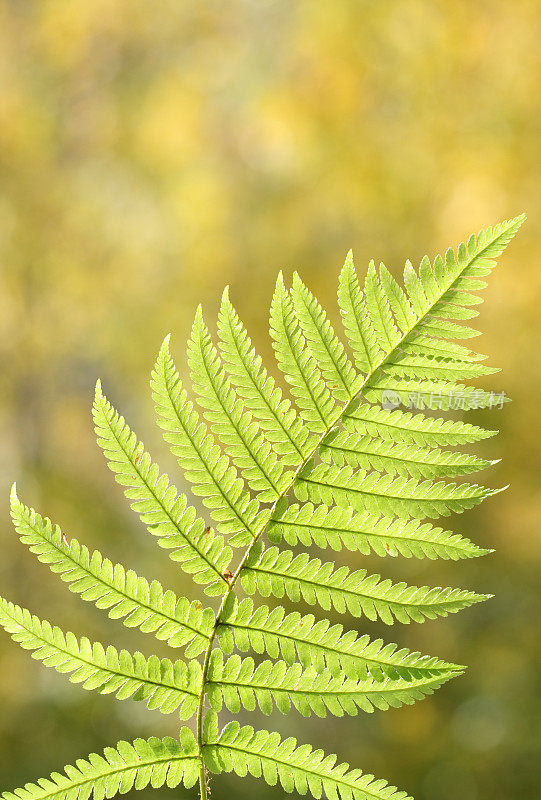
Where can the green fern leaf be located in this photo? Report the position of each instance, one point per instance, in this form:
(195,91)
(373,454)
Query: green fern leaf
(127,596)
(327,349)
(443,328)
(421,344)
(127,766)
(240,436)
(360,333)
(319,644)
(212,475)
(297,768)
(383,455)
(427,367)
(160,683)
(279,572)
(298,365)
(379,312)
(165,512)
(385,494)
(407,428)
(442,289)
(365,533)
(283,427)
(397,300)
(237,683)
(430,394)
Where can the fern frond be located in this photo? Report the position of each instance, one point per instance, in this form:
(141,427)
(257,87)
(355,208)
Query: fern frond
(160,683)
(283,427)
(126,766)
(407,428)
(298,365)
(241,437)
(298,768)
(384,494)
(364,532)
(319,644)
(126,596)
(212,475)
(365,476)
(279,572)
(239,683)
(327,349)
(200,553)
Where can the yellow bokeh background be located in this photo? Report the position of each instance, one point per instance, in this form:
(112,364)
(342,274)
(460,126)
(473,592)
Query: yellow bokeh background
(150,154)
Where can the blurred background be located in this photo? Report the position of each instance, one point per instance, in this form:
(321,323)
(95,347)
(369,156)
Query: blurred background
(151,153)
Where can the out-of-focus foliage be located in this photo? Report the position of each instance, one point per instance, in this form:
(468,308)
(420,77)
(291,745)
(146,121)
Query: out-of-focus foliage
(151,153)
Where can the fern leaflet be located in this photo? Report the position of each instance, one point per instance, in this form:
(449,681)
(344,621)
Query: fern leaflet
(279,572)
(126,595)
(162,684)
(319,644)
(165,512)
(297,768)
(121,768)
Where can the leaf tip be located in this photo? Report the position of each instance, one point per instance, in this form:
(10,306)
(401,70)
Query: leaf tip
(198,322)
(165,344)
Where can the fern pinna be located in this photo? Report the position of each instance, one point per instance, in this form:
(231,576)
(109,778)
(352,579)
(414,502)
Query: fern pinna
(338,465)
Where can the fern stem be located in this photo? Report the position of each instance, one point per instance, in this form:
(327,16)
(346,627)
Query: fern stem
(234,579)
(203,781)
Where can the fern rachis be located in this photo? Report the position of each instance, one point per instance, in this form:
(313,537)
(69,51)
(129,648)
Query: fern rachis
(331,467)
